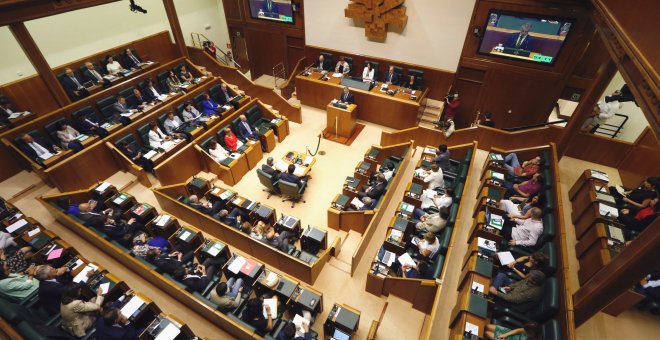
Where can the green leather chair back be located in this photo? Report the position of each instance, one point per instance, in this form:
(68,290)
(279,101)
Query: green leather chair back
(289,189)
(266,180)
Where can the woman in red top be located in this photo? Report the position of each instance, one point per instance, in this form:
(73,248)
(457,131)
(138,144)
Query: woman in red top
(209,47)
(526,169)
(642,219)
(526,188)
(451,106)
(231,141)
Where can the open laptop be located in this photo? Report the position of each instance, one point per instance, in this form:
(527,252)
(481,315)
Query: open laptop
(339,335)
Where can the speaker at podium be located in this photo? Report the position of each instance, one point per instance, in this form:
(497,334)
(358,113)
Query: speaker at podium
(341,119)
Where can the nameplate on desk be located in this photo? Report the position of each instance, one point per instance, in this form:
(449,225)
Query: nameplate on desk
(162,220)
(215,249)
(608,211)
(132,306)
(102,187)
(16,225)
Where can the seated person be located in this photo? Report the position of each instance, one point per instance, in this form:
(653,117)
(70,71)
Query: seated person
(521,294)
(257,232)
(527,188)
(642,219)
(93,74)
(142,101)
(418,271)
(17,259)
(210,107)
(391,77)
(190,113)
(347,96)
(231,141)
(488,121)
(169,262)
(121,107)
(156,136)
(17,286)
(269,168)
(207,208)
(78,316)
(526,169)
(649,286)
(447,127)
(136,157)
(150,91)
(121,229)
(227,295)
(173,126)
(289,176)
(433,222)
(530,331)
(245,227)
(245,130)
(343,67)
(376,189)
(410,83)
(442,157)
(67,136)
(290,332)
(225,96)
(254,316)
(73,85)
(112,324)
(52,283)
(142,244)
(387,170)
(185,75)
(130,59)
(522,210)
(280,241)
(5,112)
(428,246)
(638,198)
(367,204)
(36,147)
(445,200)
(321,64)
(433,177)
(173,82)
(232,219)
(217,152)
(113,67)
(526,232)
(91,217)
(89,125)
(195,280)
(431,201)
(368,73)
(521,267)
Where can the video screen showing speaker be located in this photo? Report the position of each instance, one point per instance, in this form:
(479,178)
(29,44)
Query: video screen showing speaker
(274,10)
(524,37)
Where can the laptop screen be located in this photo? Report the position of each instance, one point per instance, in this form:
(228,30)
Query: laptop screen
(339,335)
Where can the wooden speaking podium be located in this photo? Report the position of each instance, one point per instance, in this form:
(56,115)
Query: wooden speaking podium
(341,122)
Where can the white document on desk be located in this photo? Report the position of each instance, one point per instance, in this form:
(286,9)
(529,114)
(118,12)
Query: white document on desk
(83,273)
(308,160)
(131,306)
(16,225)
(104,287)
(505,258)
(46,155)
(34,232)
(102,187)
(170,332)
(272,303)
(405,259)
(162,220)
(606,210)
(236,265)
(357,203)
(471,328)
(281,165)
(478,287)
(166,145)
(429,150)
(299,170)
(150,154)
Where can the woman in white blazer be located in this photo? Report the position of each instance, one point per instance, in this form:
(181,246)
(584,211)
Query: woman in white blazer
(368,73)
(112,65)
(78,316)
(217,152)
(156,136)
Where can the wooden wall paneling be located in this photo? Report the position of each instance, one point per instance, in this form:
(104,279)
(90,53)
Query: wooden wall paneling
(19,11)
(233,9)
(642,160)
(30,94)
(84,168)
(183,164)
(469,92)
(10,164)
(175,26)
(438,81)
(266,49)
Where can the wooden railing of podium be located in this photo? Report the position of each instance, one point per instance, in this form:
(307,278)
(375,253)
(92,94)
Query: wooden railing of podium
(97,160)
(420,292)
(286,263)
(16,161)
(288,88)
(156,47)
(234,76)
(221,320)
(366,222)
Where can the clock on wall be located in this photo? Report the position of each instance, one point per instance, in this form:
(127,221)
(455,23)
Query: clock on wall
(377,15)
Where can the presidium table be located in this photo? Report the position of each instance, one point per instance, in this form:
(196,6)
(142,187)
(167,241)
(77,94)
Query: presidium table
(400,110)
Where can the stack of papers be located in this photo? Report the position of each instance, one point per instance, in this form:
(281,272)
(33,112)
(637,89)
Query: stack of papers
(150,154)
(299,171)
(102,187)
(600,175)
(184,235)
(605,198)
(170,332)
(16,225)
(429,150)
(505,258)
(308,160)
(272,303)
(606,210)
(33,232)
(84,271)
(405,259)
(236,265)
(357,203)
(166,145)
(46,155)
(131,306)
(298,321)
(162,220)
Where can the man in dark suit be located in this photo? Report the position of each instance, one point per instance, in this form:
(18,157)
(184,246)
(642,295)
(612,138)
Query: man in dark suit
(52,283)
(375,190)
(245,130)
(322,64)
(368,204)
(521,40)
(130,59)
(288,176)
(391,77)
(168,263)
(36,147)
(232,219)
(270,8)
(120,107)
(94,74)
(347,96)
(205,208)
(269,168)
(120,229)
(196,280)
(89,125)
(73,85)
(112,324)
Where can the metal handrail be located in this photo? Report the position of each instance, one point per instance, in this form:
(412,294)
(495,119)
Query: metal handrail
(531,126)
(226,56)
(279,72)
(617,128)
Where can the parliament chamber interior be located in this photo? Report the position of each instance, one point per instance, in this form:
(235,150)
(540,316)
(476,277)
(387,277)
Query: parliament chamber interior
(357,169)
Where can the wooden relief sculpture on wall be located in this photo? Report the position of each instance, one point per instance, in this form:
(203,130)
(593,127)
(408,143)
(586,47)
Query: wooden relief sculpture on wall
(377,15)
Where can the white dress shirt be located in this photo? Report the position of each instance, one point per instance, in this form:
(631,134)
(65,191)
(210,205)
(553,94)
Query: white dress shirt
(156,138)
(368,75)
(114,67)
(219,154)
(435,179)
(527,232)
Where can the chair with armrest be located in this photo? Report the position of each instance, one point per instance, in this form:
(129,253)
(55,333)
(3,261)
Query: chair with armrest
(214,91)
(161,121)
(327,57)
(256,118)
(197,101)
(162,80)
(126,92)
(349,60)
(376,66)
(540,311)
(291,192)
(444,238)
(398,70)
(177,69)
(105,105)
(270,184)
(143,132)
(130,140)
(436,268)
(52,127)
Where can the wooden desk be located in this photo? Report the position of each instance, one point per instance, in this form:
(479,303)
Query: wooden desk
(301,170)
(596,249)
(590,216)
(591,192)
(284,288)
(344,317)
(254,154)
(376,107)
(470,307)
(341,122)
(587,176)
(480,228)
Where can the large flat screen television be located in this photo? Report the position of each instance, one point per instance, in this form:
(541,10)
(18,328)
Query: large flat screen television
(274,10)
(524,37)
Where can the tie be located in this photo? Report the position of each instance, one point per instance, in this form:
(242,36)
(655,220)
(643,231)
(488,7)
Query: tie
(247,127)
(76,82)
(39,149)
(520,40)
(135,59)
(96,74)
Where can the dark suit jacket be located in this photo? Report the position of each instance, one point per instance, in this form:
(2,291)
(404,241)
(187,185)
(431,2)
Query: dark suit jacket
(29,151)
(89,76)
(525,45)
(269,170)
(197,284)
(394,79)
(51,294)
(407,85)
(285,176)
(243,132)
(273,7)
(148,95)
(377,190)
(167,264)
(92,219)
(223,98)
(112,332)
(129,63)
(326,65)
(70,86)
(119,109)
(347,98)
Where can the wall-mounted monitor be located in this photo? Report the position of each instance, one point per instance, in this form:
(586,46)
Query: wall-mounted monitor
(273,10)
(525,37)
